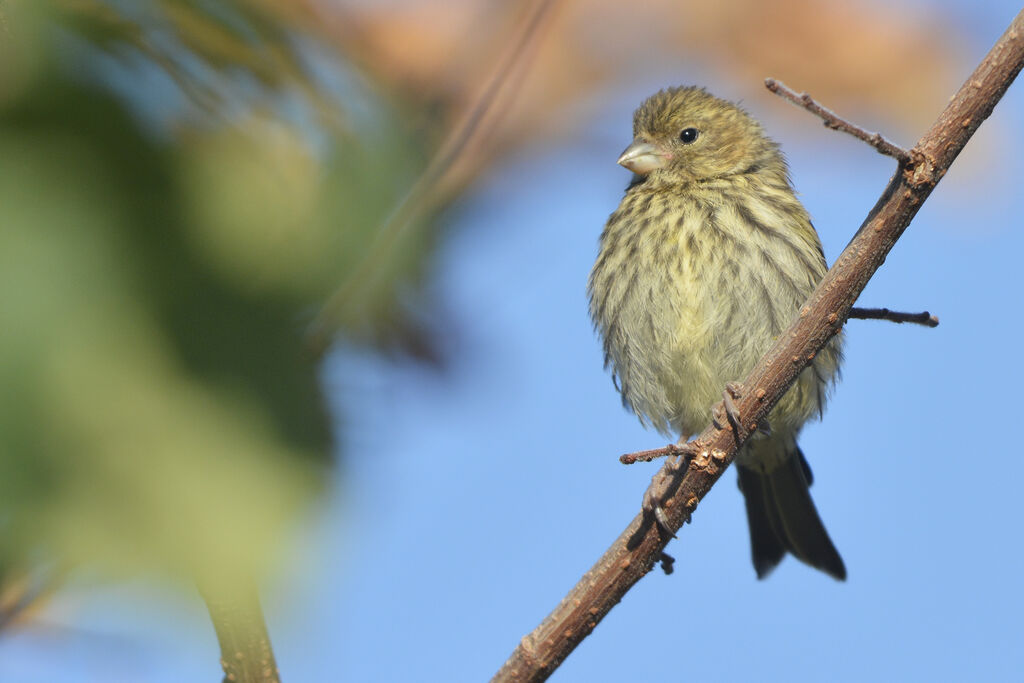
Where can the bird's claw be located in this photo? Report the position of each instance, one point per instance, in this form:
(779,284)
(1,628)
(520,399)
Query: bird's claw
(733,390)
(653,507)
(660,484)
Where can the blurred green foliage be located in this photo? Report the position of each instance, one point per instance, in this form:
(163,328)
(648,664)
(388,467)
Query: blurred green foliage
(160,406)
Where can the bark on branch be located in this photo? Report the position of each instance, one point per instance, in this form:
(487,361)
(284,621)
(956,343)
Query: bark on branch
(641,545)
(925,318)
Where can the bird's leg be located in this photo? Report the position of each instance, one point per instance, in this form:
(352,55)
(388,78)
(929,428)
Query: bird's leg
(734,390)
(652,506)
(663,481)
(732,415)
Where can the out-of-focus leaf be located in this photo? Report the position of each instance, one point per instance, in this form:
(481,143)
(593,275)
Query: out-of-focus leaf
(152,407)
(159,405)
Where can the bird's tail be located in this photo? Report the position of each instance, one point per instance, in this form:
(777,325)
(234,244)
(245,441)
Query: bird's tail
(783,518)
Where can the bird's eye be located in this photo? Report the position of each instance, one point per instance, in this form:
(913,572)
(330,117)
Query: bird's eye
(689,135)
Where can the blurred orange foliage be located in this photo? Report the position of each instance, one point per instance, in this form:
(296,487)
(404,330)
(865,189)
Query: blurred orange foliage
(852,56)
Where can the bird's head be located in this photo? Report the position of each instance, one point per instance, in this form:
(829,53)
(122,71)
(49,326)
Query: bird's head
(684,135)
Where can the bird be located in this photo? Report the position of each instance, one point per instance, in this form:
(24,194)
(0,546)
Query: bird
(706,260)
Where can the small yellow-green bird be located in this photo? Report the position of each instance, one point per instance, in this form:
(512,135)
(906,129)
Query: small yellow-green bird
(705,262)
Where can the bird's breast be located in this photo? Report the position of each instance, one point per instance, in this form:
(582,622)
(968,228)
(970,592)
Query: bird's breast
(688,291)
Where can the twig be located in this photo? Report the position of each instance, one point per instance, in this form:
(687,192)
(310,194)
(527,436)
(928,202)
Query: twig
(667,563)
(245,652)
(420,197)
(26,593)
(639,547)
(652,454)
(925,318)
(836,122)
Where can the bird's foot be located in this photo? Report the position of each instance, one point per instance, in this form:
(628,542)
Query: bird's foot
(664,481)
(725,413)
(652,506)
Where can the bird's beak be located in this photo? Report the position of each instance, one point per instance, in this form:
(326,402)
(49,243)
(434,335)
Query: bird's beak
(642,157)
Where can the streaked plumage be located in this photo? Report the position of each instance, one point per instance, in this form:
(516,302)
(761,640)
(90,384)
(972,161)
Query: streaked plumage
(707,259)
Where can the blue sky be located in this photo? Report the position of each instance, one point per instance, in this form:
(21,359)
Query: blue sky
(470,502)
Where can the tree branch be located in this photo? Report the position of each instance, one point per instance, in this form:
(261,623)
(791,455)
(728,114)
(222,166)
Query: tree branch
(836,122)
(421,197)
(925,318)
(681,484)
(652,454)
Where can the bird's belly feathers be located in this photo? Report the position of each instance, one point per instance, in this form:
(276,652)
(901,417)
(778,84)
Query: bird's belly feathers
(690,304)
(684,343)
